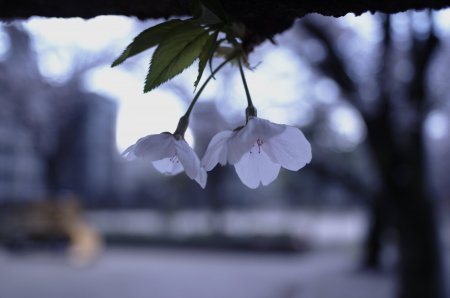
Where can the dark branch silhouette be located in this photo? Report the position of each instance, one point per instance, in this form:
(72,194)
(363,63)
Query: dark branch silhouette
(262,18)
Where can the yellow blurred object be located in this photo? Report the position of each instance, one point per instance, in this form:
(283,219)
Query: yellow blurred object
(56,219)
(85,244)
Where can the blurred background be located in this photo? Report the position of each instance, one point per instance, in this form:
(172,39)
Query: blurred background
(367,218)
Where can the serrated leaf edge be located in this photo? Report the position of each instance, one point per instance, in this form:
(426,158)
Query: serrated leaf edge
(148,88)
(124,56)
(210,49)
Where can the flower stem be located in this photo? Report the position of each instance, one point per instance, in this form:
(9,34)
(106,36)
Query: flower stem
(194,101)
(250,111)
(184,120)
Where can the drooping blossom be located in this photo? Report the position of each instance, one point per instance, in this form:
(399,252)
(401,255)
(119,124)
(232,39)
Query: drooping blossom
(170,154)
(258,150)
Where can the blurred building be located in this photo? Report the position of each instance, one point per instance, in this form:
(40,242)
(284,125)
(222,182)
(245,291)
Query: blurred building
(53,139)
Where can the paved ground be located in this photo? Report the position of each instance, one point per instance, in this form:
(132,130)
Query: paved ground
(158,273)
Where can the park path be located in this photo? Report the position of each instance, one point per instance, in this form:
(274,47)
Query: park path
(169,273)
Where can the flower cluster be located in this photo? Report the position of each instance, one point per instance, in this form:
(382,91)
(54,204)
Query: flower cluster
(257,150)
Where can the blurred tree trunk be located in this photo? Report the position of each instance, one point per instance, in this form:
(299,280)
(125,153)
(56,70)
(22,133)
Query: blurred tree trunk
(402,203)
(421,255)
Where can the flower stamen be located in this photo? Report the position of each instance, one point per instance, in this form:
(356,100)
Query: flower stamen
(259,142)
(174,159)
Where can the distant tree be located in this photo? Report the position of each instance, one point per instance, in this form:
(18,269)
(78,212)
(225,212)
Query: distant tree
(396,141)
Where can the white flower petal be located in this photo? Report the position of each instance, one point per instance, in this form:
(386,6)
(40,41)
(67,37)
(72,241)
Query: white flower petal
(217,150)
(201,177)
(244,139)
(268,170)
(290,149)
(238,146)
(169,155)
(168,166)
(255,167)
(246,169)
(155,147)
(188,158)
(128,154)
(263,129)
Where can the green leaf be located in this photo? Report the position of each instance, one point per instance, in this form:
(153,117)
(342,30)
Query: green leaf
(215,6)
(176,52)
(207,52)
(147,39)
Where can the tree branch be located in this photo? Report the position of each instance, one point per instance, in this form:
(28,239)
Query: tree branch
(263,18)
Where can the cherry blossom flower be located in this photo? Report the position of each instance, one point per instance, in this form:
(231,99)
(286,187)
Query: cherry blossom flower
(258,151)
(169,154)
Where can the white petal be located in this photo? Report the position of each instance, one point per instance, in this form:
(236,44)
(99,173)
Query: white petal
(240,143)
(244,139)
(155,147)
(128,154)
(201,177)
(217,150)
(168,166)
(263,128)
(290,149)
(246,169)
(268,170)
(238,146)
(256,167)
(188,158)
